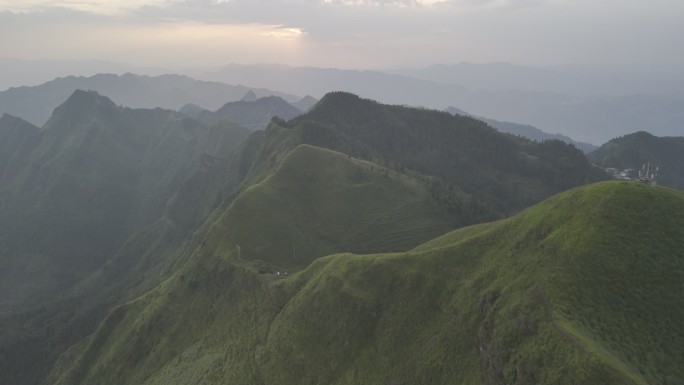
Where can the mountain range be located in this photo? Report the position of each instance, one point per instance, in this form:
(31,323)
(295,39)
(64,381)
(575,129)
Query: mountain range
(560,80)
(35,104)
(357,243)
(588,105)
(526,131)
(94,185)
(584,116)
(523,300)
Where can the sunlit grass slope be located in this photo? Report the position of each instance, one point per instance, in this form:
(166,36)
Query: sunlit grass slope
(584,288)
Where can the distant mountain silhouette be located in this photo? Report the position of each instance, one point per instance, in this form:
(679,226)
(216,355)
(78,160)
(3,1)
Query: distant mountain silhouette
(165,91)
(306,103)
(587,118)
(254,115)
(526,131)
(250,96)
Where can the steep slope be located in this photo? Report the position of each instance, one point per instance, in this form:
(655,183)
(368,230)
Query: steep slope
(97,174)
(504,172)
(571,291)
(635,150)
(14,133)
(303,211)
(253,114)
(36,103)
(98,188)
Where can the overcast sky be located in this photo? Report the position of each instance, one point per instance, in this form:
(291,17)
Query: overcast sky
(346,33)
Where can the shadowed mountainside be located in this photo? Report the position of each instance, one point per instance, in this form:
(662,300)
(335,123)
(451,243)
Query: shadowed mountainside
(635,150)
(97,183)
(252,114)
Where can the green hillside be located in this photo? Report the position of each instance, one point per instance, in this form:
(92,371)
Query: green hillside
(302,212)
(584,288)
(139,214)
(635,150)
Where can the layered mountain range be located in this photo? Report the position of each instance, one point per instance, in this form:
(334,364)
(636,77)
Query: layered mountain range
(358,242)
(36,104)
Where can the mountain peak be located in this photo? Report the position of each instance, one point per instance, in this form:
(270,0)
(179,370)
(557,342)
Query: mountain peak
(336,96)
(82,98)
(337,99)
(250,96)
(10,122)
(9,119)
(306,103)
(82,104)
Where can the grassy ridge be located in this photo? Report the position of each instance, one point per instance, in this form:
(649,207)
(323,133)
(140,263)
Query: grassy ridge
(563,293)
(301,212)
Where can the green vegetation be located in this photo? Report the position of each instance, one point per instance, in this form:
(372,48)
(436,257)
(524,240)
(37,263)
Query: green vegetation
(503,172)
(584,288)
(124,226)
(635,150)
(302,212)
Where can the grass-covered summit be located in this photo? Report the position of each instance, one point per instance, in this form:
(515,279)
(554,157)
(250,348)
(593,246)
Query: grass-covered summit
(584,288)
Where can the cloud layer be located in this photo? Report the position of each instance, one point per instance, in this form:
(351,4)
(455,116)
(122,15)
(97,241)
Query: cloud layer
(346,33)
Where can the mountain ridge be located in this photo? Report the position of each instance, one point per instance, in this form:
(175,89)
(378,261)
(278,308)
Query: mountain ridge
(230,277)
(252,114)
(526,131)
(587,118)
(549,325)
(136,91)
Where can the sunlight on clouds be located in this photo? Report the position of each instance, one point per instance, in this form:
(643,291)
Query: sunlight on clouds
(284,33)
(219,43)
(188,43)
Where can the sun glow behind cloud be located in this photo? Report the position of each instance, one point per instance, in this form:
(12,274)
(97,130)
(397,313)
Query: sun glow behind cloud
(177,44)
